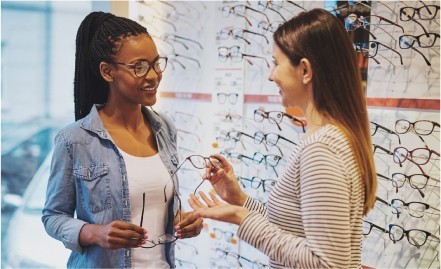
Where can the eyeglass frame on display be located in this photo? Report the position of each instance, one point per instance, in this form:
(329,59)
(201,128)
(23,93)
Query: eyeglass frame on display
(412,126)
(387,130)
(266,115)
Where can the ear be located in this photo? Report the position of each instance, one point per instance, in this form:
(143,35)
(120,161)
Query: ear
(307,72)
(106,71)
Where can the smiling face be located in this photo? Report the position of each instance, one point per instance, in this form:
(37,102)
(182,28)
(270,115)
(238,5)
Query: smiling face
(289,78)
(125,86)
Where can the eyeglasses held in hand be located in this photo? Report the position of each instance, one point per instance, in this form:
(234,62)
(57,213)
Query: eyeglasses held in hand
(162,239)
(142,68)
(199,162)
(421,127)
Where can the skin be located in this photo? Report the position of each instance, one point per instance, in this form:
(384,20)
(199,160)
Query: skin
(123,119)
(296,88)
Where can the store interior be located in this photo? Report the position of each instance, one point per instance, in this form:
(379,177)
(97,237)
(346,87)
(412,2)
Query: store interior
(217,92)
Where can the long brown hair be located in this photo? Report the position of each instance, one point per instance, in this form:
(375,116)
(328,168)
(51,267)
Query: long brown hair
(337,91)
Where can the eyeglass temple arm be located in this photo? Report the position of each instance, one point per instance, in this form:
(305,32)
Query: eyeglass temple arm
(391,22)
(417,22)
(293,3)
(255,56)
(190,40)
(189,58)
(255,10)
(295,119)
(425,59)
(424,4)
(254,33)
(283,18)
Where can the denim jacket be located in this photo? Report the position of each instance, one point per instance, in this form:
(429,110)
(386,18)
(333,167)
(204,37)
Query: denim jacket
(88,177)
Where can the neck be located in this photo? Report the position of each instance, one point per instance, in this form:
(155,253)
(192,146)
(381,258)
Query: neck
(127,117)
(314,118)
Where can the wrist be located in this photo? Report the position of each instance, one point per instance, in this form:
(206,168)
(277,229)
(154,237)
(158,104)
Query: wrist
(87,235)
(240,199)
(240,215)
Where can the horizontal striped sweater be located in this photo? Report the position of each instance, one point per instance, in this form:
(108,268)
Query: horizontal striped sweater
(314,213)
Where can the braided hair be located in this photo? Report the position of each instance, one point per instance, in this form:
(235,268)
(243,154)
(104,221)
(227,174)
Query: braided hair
(97,41)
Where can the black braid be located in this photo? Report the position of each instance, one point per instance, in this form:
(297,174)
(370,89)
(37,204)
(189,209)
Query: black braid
(97,39)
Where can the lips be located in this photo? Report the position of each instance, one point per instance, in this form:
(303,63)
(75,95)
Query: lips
(150,89)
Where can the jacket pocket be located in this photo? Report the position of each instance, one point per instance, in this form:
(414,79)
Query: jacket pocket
(94,187)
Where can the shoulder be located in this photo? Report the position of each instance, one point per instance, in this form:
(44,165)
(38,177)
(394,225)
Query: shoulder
(330,138)
(168,122)
(72,133)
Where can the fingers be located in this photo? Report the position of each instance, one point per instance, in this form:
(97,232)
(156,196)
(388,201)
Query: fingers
(209,202)
(214,198)
(195,203)
(221,159)
(120,234)
(190,227)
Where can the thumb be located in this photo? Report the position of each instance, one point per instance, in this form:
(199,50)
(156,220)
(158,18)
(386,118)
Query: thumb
(176,220)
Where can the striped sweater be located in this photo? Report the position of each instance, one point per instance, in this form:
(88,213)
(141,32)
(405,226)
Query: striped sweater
(314,213)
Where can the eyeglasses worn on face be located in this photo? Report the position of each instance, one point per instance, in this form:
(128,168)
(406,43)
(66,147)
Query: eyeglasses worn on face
(162,239)
(142,68)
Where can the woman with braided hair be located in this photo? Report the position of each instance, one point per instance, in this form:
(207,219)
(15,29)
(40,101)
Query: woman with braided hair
(113,166)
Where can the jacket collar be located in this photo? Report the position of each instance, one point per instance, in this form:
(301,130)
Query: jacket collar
(93,122)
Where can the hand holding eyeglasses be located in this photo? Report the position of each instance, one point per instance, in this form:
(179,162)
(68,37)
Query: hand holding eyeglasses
(190,226)
(115,235)
(224,181)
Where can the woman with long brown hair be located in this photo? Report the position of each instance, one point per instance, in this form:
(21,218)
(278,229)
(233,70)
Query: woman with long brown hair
(313,218)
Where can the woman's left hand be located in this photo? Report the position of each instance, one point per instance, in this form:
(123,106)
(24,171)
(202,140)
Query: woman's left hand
(190,225)
(215,209)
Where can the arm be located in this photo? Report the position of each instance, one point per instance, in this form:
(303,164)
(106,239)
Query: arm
(324,205)
(58,213)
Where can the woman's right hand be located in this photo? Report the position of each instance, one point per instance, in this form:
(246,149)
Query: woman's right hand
(224,181)
(115,235)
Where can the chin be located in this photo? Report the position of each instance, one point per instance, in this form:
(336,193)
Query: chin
(149,101)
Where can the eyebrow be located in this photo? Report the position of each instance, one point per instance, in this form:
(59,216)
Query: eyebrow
(144,60)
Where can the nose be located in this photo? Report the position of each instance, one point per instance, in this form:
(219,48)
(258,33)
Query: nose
(271,75)
(153,75)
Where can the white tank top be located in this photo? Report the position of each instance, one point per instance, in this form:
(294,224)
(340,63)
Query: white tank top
(148,175)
